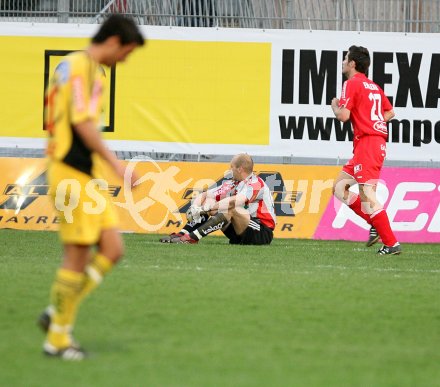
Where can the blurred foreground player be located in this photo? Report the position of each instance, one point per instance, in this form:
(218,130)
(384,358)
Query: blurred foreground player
(73,113)
(241,207)
(365,104)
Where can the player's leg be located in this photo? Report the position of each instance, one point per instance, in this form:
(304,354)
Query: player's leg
(110,248)
(372,152)
(64,300)
(230,233)
(77,238)
(256,233)
(96,266)
(110,251)
(239,218)
(77,278)
(341,190)
(341,187)
(373,235)
(79,231)
(379,220)
(215,223)
(189,227)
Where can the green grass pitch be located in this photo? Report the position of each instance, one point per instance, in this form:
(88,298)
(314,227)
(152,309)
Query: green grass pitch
(296,313)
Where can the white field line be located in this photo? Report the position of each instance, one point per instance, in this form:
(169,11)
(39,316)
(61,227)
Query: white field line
(311,271)
(379,269)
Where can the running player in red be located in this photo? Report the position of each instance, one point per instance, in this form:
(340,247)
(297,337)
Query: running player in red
(365,104)
(241,207)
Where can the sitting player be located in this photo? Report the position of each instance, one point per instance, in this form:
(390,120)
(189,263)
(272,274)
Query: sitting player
(241,207)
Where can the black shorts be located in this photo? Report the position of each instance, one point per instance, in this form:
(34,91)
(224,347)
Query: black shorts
(251,236)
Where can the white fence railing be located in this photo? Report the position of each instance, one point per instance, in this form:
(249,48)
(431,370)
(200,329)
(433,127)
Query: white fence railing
(351,15)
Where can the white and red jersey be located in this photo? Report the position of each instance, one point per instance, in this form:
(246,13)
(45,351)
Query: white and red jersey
(259,201)
(226,190)
(367,104)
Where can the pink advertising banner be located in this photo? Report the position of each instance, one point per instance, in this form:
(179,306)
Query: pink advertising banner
(412,199)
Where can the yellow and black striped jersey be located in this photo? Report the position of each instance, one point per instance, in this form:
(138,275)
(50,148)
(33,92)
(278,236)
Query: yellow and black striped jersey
(74,95)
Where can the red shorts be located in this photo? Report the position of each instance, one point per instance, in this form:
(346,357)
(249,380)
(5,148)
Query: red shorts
(367,161)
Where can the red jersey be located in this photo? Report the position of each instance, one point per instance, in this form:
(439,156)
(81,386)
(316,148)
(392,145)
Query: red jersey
(367,104)
(259,201)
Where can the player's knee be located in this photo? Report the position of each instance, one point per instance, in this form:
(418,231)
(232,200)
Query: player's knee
(114,253)
(118,253)
(338,186)
(237,211)
(337,191)
(340,190)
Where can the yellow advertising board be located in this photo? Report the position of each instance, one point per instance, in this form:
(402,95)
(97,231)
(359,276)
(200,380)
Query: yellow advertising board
(158,204)
(173,91)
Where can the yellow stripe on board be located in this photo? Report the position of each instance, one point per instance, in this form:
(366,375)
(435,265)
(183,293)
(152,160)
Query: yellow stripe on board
(171,91)
(199,92)
(159,203)
(22,82)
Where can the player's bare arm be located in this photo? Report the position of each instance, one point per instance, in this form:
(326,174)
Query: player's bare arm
(226,204)
(388,115)
(200,199)
(341,113)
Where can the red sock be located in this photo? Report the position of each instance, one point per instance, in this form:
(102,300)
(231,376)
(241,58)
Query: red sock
(356,206)
(381,223)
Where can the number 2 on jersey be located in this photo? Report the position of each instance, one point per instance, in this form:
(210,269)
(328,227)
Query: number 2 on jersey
(376,108)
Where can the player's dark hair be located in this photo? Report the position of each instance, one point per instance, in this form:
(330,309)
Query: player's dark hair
(361,57)
(123,27)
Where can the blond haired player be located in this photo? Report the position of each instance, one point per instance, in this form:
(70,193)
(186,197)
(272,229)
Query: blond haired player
(241,207)
(73,112)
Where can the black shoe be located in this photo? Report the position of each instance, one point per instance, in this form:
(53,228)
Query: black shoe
(373,238)
(169,238)
(387,250)
(71,353)
(44,321)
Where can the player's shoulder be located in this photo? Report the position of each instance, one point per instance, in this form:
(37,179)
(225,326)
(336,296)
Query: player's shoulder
(357,80)
(350,86)
(229,183)
(359,83)
(256,181)
(78,60)
(75,57)
(224,187)
(66,67)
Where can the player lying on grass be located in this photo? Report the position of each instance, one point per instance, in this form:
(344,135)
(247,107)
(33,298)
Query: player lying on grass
(241,207)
